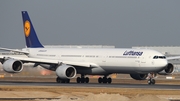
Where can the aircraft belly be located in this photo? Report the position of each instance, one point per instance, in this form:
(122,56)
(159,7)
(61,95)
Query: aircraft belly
(146,69)
(91,71)
(106,70)
(126,65)
(117,69)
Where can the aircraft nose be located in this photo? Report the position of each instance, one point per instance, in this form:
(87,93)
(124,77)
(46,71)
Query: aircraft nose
(163,63)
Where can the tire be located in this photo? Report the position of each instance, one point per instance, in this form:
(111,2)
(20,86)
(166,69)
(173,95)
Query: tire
(109,80)
(87,80)
(58,80)
(78,80)
(63,81)
(68,81)
(149,82)
(100,80)
(82,80)
(153,81)
(104,80)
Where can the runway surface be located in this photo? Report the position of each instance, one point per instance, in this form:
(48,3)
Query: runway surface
(116,85)
(32,88)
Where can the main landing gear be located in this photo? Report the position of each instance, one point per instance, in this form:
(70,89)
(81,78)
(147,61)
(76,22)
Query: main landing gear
(59,80)
(151,81)
(104,80)
(82,79)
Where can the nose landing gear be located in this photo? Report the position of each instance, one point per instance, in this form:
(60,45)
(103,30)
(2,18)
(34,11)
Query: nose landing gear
(151,81)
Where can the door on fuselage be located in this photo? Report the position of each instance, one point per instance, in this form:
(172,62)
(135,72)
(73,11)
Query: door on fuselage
(140,62)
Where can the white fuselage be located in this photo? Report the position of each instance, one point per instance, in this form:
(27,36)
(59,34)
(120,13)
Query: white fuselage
(108,60)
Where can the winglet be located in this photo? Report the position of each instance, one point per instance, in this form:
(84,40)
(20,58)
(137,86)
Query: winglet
(32,40)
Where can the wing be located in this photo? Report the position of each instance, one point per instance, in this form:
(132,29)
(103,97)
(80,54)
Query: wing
(49,61)
(173,58)
(43,61)
(14,50)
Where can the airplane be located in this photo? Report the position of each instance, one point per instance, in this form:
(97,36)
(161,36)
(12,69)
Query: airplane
(68,62)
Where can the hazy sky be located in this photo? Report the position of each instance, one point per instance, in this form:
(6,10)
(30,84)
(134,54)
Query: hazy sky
(122,23)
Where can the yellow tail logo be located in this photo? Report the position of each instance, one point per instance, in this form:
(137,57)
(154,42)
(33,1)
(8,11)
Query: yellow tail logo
(27,28)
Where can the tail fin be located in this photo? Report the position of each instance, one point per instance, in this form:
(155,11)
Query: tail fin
(32,40)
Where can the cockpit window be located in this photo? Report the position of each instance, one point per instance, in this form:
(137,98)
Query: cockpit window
(155,57)
(159,57)
(162,57)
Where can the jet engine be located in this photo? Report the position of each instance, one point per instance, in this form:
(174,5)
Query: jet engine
(12,66)
(139,76)
(168,70)
(66,71)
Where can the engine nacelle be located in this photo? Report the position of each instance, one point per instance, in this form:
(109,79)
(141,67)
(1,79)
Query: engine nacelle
(12,66)
(168,70)
(139,76)
(66,72)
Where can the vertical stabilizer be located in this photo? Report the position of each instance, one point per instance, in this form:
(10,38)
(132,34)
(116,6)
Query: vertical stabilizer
(32,40)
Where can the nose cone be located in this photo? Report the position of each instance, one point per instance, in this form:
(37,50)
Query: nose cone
(161,64)
(164,62)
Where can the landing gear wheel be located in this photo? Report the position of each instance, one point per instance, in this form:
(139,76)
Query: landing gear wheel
(67,81)
(109,80)
(104,80)
(78,80)
(59,80)
(87,80)
(100,80)
(151,81)
(82,80)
